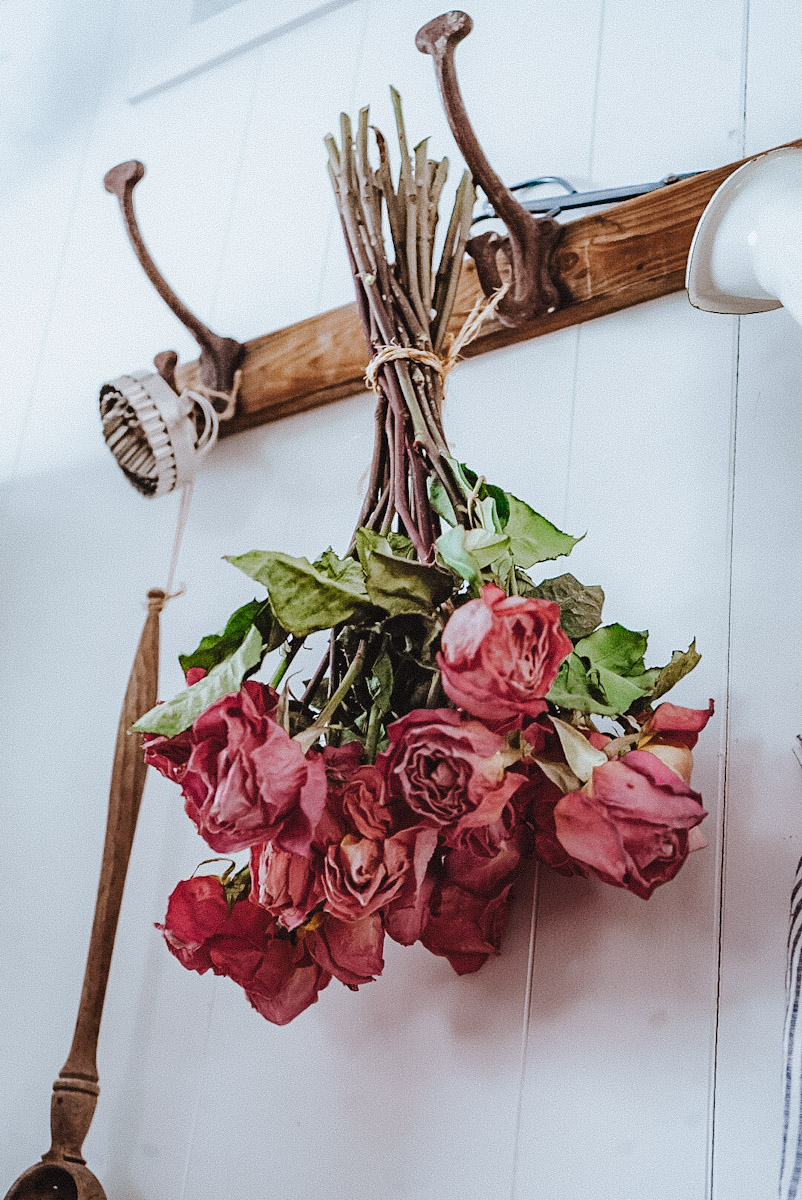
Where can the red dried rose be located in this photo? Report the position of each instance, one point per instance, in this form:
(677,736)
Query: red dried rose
(286,885)
(246,781)
(280,978)
(630,823)
(501,654)
(447,770)
(351,951)
(168,755)
(466,928)
(468,911)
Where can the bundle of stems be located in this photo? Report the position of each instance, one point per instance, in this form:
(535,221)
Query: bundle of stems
(404,303)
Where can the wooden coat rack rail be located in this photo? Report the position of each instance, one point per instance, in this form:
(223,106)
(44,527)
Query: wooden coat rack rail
(607,261)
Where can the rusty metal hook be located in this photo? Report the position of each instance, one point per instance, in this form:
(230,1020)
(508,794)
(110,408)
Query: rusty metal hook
(219,356)
(528,247)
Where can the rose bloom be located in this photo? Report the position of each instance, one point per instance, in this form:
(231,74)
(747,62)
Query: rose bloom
(168,755)
(245,780)
(501,654)
(468,910)
(447,770)
(541,797)
(279,978)
(671,733)
(466,928)
(360,875)
(631,823)
(351,951)
(286,885)
(365,804)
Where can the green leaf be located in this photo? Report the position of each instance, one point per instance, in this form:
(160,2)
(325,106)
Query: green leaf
(489,518)
(307,596)
(343,570)
(606,673)
(682,661)
(400,585)
(380,682)
(236,887)
(467,480)
(621,693)
(468,551)
(440,501)
(179,713)
(573,688)
(580,606)
(400,545)
(560,774)
(216,647)
(533,539)
(615,648)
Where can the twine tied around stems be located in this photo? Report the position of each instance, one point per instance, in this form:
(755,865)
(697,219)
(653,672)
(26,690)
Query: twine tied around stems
(441,364)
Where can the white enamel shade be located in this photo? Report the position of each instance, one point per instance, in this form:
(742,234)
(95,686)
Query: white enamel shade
(746,253)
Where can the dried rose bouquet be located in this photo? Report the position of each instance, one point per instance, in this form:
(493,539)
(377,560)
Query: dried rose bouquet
(453,727)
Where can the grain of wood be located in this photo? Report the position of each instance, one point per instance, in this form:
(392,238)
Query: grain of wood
(607,261)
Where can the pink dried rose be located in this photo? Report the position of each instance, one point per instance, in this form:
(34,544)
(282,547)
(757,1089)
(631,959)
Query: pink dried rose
(447,770)
(351,951)
(631,823)
(671,732)
(168,755)
(501,654)
(279,978)
(246,781)
(365,804)
(468,910)
(288,886)
(466,928)
(361,876)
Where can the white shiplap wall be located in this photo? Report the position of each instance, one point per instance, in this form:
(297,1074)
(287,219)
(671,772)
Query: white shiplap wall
(616,1050)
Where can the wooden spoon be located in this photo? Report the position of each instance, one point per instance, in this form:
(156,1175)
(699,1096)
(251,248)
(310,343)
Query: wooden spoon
(63,1174)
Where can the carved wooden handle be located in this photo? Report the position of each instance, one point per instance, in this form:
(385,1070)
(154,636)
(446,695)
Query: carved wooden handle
(76,1089)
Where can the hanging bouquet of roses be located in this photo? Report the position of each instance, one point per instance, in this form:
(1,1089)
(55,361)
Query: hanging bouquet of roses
(453,728)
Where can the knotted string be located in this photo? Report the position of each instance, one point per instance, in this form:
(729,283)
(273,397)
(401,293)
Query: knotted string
(229,398)
(441,364)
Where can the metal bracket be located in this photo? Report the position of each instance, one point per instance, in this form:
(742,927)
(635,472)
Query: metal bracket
(553,205)
(525,254)
(220,356)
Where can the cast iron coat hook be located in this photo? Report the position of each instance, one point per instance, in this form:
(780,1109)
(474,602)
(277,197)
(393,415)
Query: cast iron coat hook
(219,356)
(528,247)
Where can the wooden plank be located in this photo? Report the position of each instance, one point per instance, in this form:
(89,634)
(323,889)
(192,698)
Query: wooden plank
(607,261)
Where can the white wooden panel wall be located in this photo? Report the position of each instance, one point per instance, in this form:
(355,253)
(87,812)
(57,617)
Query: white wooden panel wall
(617,1050)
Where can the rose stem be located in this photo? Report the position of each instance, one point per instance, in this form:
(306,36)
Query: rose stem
(372,738)
(334,701)
(287,655)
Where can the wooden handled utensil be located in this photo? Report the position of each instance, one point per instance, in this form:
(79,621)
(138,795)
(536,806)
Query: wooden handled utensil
(63,1174)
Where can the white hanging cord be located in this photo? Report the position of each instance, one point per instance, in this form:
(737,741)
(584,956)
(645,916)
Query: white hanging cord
(183,516)
(206,439)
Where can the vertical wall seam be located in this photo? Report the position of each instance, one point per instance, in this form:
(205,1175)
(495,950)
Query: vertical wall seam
(594,113)
(722,861)
(530,970)
(221,259)
(530,966)
(199,1090)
